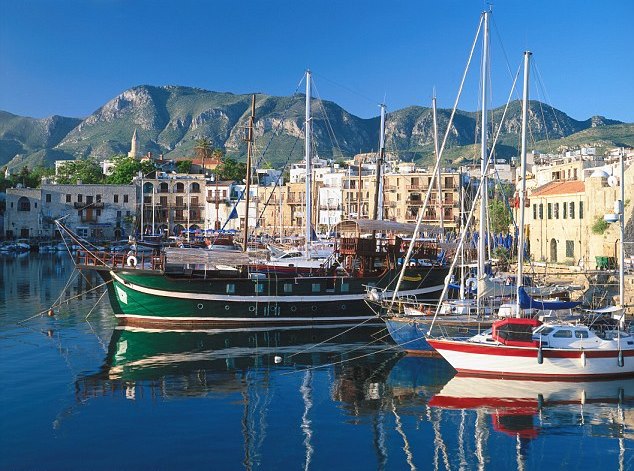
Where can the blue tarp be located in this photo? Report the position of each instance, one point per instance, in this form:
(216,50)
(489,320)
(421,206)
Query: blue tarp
(526,302)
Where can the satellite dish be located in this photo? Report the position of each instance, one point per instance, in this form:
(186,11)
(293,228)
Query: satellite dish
(613,181)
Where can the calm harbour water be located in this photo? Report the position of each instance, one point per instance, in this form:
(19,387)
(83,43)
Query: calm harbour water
(78,393)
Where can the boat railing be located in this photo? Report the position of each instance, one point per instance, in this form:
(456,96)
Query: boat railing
(114,260)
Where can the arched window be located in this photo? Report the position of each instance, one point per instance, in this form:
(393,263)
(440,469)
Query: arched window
(163,188)
(148,187)
(180,188)
(194,188)
(24,204)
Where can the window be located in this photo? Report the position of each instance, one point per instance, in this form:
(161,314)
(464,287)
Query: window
(259,287)
(89,199)
(80,198)
(98,198)
(541,210)
(550,210)
(580,209)
(570,248)
(179,201)
(127,213)
(48,197)
(556,210)
(193,201)
(98,212)
(68,198)
(116,198)
(118,214)
(79,213)
(288,287)
(563,333)
(316,287)
(231,288)
(534,211)
(24,204)
(581,334)
(125,198)
(572,210)
(345,287)
(565,208)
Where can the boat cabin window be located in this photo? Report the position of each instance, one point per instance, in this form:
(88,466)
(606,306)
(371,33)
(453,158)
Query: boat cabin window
(563,333)
(581,334)
(231,288)
(288,287)
(345,287)
(316,287)
(544,330)
(259,287)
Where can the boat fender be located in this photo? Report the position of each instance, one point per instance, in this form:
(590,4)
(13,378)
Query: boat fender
(583,359)
(621,360)
(540,354)
(131,261)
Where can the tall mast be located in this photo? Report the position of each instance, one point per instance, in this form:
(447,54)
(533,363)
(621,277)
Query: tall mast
(309,169)
(622,245)
(520,241)
(248,182)
(484,150)
(378,185)
(440,215)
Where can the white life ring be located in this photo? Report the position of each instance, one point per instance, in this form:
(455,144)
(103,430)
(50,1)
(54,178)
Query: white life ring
(131,261)
(471,284)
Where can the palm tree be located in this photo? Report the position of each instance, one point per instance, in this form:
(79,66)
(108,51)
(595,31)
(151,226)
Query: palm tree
(203,150)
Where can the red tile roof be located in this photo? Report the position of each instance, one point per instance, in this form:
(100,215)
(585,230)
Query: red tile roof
(560,188)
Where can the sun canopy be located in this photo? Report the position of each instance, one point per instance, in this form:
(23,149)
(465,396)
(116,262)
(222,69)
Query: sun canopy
(526,302)
(364,226)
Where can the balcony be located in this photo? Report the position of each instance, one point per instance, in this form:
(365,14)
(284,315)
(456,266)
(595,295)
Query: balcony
(89,218)
(93,205)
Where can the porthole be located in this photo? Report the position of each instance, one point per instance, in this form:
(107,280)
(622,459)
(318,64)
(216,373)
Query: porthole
(343,307)
(314,308)
(293,309)
(200,306)
(226,307)
(251,308)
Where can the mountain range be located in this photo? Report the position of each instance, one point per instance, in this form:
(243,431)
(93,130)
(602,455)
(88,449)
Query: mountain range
(169,120)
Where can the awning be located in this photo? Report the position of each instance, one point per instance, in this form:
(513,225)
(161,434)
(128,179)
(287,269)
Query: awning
(365,226)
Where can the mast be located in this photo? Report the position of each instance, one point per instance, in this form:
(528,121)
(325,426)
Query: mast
(378,184)
(440,215)
(622,245)
(483,154)
(462,229)
(248,182)
(142,204)
(520,241)
(309,173)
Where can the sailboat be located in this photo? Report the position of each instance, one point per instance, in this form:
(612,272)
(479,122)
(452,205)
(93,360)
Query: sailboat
(198,287)
(525,348)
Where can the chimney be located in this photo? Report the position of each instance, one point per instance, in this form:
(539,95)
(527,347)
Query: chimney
(160,156)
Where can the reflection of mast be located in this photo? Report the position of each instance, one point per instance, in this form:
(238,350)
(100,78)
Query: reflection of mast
(439,443)
(306,390)
(379,437)
(481,435)
(399,428)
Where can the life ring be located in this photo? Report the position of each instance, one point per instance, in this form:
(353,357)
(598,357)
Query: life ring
(471,284)
(131,261)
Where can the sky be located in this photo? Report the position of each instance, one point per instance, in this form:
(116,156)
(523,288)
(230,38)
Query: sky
(69,57)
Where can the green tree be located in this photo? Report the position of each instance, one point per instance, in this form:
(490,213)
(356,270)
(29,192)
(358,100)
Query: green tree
(500,216)
(203,150)
(86,170)
(231,169)
(126,168)
(183,166)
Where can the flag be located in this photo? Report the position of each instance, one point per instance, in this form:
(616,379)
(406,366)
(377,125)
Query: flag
(233,214)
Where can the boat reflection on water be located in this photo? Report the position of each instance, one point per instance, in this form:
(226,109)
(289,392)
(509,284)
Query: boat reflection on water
(526,410)
(173,363)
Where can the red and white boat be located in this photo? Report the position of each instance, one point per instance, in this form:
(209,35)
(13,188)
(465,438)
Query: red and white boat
(526,348)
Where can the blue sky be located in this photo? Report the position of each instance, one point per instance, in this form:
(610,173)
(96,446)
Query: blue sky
(69,57)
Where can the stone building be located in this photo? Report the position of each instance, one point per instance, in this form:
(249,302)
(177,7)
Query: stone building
(98,212)
(22,216)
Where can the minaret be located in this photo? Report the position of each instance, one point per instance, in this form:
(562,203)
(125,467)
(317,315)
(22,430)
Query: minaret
(134,146)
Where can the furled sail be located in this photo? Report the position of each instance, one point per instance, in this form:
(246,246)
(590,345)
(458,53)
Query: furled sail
(526,302)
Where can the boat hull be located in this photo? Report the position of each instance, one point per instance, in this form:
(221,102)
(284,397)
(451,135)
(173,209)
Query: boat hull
(150,298)
(411,333)
(471,358)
